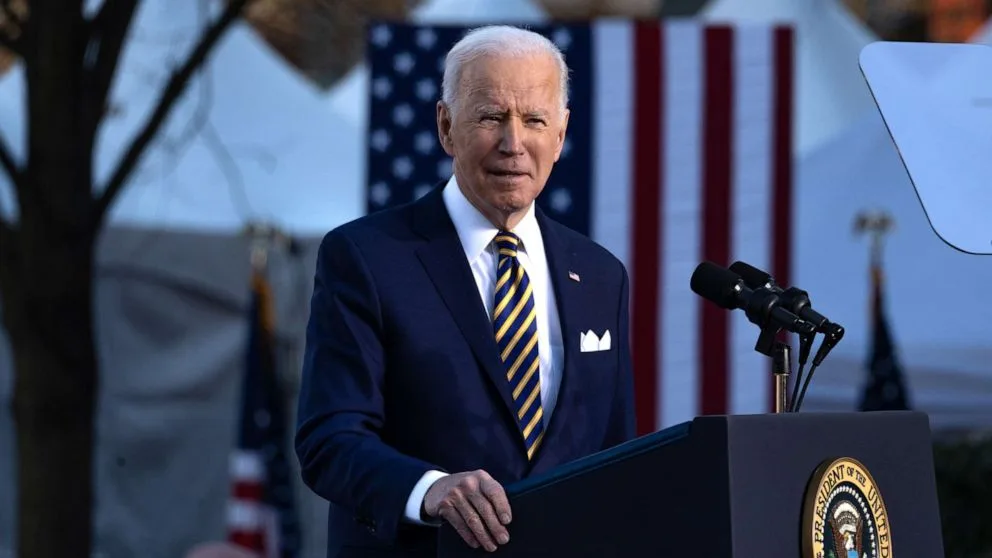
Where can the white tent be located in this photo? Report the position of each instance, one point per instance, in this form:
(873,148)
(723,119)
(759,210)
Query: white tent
(984,35)
(830,94)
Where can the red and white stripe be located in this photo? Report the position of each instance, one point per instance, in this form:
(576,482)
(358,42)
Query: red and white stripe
(251,524)
(693,162)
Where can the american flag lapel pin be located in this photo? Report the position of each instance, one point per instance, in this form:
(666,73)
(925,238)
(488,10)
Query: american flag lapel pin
(573,276)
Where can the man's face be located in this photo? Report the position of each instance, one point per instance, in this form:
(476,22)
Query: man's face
(506,134)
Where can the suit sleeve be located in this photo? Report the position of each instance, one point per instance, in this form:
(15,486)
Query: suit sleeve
(341,409)
(622,418)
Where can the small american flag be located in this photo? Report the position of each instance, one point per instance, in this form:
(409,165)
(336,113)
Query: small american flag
(262,516)
(678,150)
(885,388)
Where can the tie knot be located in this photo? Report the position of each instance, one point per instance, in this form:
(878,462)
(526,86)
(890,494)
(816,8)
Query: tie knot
(506,243)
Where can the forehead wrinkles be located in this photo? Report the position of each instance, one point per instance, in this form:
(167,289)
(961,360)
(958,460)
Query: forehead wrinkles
(495,76)
(482,96)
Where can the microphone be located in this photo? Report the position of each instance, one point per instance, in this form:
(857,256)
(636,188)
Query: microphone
(794,300)
(834,333)
(762,306)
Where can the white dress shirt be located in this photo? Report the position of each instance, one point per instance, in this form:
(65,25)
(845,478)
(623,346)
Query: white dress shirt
(476,234)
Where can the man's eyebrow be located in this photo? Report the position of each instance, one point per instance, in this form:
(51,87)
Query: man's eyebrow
(488,109)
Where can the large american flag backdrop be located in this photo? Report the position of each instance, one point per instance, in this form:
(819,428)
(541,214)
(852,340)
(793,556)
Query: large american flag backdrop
(678,151)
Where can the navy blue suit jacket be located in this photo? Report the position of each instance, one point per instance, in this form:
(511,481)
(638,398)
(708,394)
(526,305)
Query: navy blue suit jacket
(401,372)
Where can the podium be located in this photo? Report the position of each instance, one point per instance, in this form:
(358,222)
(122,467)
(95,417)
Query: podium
(751,486)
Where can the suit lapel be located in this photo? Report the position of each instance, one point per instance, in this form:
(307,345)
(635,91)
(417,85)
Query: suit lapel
(568,299)
(444,259)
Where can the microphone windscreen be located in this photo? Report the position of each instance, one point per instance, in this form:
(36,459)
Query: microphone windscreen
(715,284)
(753,277)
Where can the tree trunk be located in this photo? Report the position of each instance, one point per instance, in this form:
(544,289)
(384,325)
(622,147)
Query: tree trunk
(53,407)
(48,295)
(46,288)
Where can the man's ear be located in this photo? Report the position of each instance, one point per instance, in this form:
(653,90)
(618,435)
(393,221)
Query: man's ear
(444,128)
(561,135)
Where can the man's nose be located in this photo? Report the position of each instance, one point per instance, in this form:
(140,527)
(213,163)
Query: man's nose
(512,140)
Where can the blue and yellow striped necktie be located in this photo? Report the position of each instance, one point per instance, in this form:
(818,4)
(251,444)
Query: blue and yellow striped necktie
(515,325)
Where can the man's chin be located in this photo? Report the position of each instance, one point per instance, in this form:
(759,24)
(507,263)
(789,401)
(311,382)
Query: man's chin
(512,205)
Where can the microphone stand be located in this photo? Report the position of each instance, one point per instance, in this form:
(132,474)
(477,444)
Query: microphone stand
(766,340)
(781,355)
(805,347)
(781,367)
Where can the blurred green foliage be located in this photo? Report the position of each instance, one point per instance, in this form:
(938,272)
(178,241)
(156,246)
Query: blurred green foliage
(963,467)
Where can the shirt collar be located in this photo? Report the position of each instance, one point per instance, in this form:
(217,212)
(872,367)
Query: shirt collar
(476,232)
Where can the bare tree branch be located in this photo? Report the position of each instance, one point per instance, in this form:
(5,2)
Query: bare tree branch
(173,90)
(201,114)
(10,166)
(108,33)
(229,167)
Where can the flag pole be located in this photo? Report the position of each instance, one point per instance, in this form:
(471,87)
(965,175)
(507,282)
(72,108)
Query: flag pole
(262,238)
(262,514)
(884,388)
(875,224)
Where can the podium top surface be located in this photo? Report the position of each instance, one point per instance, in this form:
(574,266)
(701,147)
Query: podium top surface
(771,424)
(599,460)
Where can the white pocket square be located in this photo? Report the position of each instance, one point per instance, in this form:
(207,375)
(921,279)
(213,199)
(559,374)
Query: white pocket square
(589,342)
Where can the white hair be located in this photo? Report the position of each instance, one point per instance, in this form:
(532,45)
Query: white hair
(504,40)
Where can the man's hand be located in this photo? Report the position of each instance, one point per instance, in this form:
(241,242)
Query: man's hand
(474,504)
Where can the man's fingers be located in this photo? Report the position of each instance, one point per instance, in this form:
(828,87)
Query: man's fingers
(454,518)
(476,524)
(486,511)
(494,493)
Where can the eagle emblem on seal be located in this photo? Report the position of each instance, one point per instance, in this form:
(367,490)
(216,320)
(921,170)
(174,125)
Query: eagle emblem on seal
(847,529)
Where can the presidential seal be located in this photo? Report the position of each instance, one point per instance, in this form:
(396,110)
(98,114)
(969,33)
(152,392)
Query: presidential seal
(844,515)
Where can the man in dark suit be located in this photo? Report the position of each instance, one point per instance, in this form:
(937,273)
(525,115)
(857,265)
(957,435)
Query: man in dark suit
(464,341)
